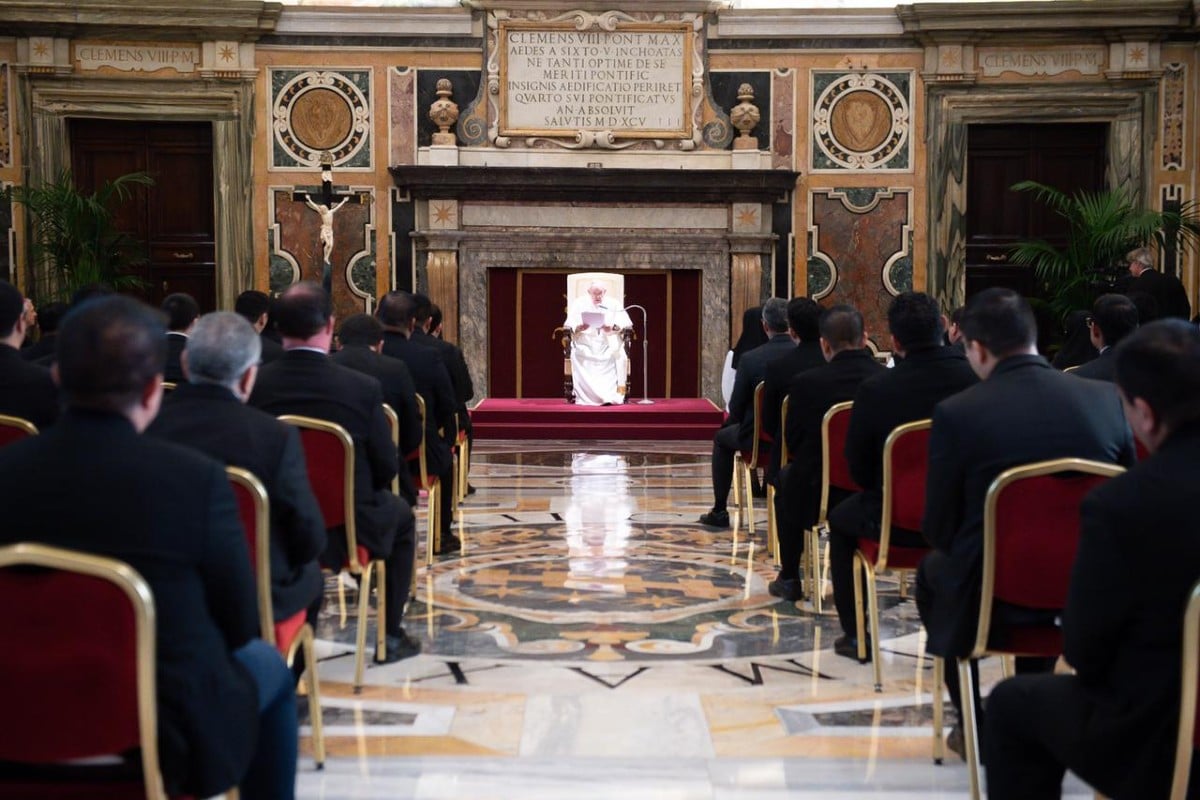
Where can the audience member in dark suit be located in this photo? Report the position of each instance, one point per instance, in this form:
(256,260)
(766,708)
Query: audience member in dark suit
(1167,290)
(306,382)
(1023,411)
(208,414)
(802,314)
(226,710)
(48,318)
(1114,721)
(452,357)
(1077,347)
(738,431)
(397,312)
(1113,317)
(181,310)
(811,394)
(362,341)
(255,307)
(926,372)
(26,390)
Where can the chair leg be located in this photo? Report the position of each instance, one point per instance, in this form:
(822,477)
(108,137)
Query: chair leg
(814,562)
(737,484)
(430,544)
(873,608)
(360,635)
(341,600)
(748,488)
(314,695)
(464,469)
(939,707)
(970,725)
(1008,666)
(380,610)
(435,514)
(859,565)
(772,527)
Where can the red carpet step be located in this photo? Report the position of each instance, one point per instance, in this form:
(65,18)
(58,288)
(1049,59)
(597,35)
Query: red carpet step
(553,418)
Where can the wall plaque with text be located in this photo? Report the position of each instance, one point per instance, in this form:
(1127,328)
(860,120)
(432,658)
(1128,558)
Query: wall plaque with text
(634,81)
(137,57)
(1084,59)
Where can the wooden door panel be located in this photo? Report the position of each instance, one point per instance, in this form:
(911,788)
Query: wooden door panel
(183,182)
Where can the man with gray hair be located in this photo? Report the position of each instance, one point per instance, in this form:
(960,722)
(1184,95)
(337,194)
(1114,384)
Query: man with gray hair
(1166,289)
(738,431)
(209,414)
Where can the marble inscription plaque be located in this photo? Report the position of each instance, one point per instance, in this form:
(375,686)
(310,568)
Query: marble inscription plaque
(1086,60)
(137,58)
(634,80)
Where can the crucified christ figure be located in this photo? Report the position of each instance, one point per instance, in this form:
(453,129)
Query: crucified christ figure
(326,213)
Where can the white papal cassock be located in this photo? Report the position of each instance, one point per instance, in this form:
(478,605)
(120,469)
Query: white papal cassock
(598,361)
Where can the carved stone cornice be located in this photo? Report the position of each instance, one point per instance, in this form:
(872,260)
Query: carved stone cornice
(1104,20)
(180,20)
(678,6)
(595,185)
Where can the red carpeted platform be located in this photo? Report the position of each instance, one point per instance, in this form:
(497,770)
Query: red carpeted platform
(553,418)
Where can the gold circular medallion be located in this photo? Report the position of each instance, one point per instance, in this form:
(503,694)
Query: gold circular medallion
(321,119)
(860,121)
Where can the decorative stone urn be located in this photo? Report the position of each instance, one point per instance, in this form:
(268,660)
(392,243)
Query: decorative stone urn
(444,113)
(744,117)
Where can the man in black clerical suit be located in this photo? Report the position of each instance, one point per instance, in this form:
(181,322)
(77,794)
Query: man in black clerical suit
(1114,721)
(306,382)
(397,312)
(181,310)
(26,390)
(452,357)
(1167,290)
(738,431)
(208,414)
(361,337)
(226,707)
(802,314)
(926,372)
(811,394)
(1114,316)
(255,307)
(1023,411)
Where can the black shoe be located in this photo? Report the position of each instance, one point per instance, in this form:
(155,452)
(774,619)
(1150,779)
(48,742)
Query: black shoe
(450,544)
(954,742)
(399,647)
(847,647)
(715,519)
(787,589)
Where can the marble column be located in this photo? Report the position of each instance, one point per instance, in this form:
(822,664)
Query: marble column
(442,271)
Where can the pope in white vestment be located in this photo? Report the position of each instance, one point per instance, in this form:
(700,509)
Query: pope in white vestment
(598,361)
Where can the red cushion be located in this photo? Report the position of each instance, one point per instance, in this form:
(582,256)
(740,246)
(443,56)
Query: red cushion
(1031,640)
(898,557)
(909,467)
(363,555)
(246,512)
(10,434)
(325,458)
(68,669)
(287,630)
(839,468)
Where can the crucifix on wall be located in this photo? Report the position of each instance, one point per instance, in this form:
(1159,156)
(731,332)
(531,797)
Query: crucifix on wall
(326,203)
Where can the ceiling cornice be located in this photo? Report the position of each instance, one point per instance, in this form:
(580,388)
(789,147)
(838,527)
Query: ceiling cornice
(187,20)
(1101,19)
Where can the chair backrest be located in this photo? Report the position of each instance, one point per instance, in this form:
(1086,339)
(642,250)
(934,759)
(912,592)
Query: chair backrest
(835,470)
(329,456)
(1031,533)
(905,468)
(78,670)
(255,512)
(760,436)
(613,283)
(393,420)
(1186,741)
(784,456)
(421,458)
(14,429)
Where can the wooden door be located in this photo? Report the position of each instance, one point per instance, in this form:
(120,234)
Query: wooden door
(172,220)
(1068,157)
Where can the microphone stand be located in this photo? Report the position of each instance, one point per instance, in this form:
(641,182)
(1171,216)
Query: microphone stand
(645,401)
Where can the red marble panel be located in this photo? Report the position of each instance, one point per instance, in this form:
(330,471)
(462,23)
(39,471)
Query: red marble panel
(783,119)
(300,237)
(401,122)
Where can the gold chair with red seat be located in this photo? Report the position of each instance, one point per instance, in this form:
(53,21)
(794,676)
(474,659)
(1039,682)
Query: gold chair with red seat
(329,456)
(293,633)
(78,674)
(1187,741)
(14,429)
(1030,537)
(431,485)
(835,474)
(747,462)
(905,466)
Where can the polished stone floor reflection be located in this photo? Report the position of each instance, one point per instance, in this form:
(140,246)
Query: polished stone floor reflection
(593,641)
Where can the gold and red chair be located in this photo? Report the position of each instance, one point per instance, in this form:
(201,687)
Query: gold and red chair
(329,456)
(1030,537)
(293,633)
(1187,742)
(835,474)
(78,675)
(431,486)
(784,458)
(14,429)
(462,465)
(746,462)
(905,467)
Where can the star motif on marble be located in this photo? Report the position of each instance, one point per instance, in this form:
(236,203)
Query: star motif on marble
(227,53)
(40,48)
(950,58)
(442,214)
(745,217)
(1137,55)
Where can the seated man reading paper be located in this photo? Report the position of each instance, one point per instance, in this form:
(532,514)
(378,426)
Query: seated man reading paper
(598,361)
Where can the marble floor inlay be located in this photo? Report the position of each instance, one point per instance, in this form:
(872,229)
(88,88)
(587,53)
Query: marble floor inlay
(592,640)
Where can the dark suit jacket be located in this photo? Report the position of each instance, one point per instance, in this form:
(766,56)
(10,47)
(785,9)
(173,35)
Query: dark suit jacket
(1025,411)
(812,393)
(169,513)
(399,392)
(905,393)
(271,349)
(308,383)
(42,349)
(212,420)
(433,384)
(778,378)
(1167,291)
(456,365)
(751,370)
(173,371)
(1124,637)
(26,390)
(1101,368)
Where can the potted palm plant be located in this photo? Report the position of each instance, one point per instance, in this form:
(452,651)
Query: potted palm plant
(74,239)
(1102,227)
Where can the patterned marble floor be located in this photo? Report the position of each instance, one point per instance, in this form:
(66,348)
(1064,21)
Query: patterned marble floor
(592,641)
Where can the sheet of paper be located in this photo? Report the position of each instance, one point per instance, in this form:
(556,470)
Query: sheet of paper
(593,319)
